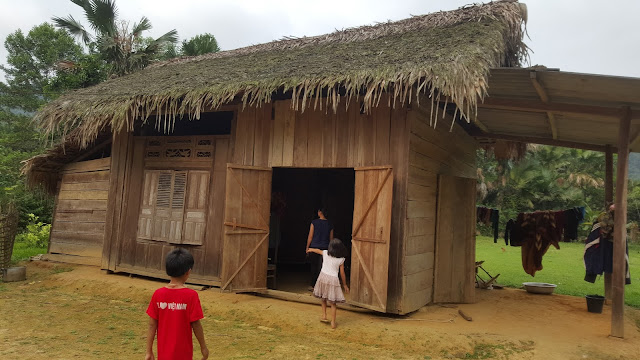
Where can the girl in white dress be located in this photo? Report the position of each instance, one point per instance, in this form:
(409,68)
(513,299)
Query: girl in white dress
(327,286)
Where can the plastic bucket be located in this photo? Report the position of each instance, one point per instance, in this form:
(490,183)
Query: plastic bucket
(594,303)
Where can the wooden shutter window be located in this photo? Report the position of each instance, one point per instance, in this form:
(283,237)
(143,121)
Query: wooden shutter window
(174,205)
(179,188)
(147,208)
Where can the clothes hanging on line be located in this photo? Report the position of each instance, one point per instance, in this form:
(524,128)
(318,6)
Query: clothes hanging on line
(566,221)
(488,216)
(573,218)
(539,230)
(507,231)
(598,250)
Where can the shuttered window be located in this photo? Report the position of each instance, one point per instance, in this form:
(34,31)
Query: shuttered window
(173,207)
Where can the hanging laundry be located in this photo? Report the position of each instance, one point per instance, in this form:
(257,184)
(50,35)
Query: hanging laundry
(539,231)
(573,218)
(507,231)
(488,216)
(598,249)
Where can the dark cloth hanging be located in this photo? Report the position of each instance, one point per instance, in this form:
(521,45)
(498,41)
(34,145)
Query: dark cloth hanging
(488,216)
(516,231)
(598,250)
(573,218)
(495,220)
(507,231)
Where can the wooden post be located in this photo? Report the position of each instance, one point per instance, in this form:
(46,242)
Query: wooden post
(619,228)
(608,200)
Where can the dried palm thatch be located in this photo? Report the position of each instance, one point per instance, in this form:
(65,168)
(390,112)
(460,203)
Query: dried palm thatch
(444,54)
(42,170)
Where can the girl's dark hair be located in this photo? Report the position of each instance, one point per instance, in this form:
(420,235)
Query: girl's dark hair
(178,262)
(337,249)
(323,211)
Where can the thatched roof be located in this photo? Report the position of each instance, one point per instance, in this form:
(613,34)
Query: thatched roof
(442,54)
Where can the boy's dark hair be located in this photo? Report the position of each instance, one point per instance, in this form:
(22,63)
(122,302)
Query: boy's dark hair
(178,262)
(337,249)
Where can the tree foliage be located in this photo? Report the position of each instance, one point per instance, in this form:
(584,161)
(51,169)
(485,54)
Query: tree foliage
(19,141)
(548,178)
(32,66)
(200,45)
(118,43)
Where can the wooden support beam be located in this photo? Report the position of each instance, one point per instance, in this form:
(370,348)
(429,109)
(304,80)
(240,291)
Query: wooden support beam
(608,179)
(482,126)
(558,108)
(545,99)
(608,200)
(619,228)
(542,141)
(94,150)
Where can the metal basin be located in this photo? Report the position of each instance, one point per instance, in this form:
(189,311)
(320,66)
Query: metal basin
(539,288)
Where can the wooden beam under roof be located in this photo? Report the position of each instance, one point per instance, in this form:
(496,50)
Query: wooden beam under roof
(561,108)
(542,141)
(545,99)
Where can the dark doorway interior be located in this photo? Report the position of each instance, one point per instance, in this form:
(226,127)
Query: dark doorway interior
(297,194)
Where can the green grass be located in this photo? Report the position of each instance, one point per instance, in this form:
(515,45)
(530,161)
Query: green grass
(563,267)
(21,251)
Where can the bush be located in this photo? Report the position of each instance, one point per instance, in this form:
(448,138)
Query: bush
(36,233)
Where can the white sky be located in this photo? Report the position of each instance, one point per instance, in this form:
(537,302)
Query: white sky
(592,36)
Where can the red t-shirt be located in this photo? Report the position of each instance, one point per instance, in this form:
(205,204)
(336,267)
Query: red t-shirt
(175,310)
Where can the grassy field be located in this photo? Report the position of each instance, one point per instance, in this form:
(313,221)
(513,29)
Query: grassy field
(23,252)
(563,267)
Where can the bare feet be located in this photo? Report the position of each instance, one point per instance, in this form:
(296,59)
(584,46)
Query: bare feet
(334,324)
(325,320)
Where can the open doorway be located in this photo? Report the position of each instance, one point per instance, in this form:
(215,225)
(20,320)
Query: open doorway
(297,194)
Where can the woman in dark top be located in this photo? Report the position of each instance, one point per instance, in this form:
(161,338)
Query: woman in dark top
(320,234)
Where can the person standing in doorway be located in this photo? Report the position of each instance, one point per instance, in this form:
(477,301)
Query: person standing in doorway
(320,234)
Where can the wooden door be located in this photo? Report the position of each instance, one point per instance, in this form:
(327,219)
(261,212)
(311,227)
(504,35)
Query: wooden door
(246,230)
(454,275)
(195,210)
(370,238)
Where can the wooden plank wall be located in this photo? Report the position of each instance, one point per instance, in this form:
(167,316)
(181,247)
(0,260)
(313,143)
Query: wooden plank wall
(454,269)
(432,152)
(277,136)
(147,258)
(78,227)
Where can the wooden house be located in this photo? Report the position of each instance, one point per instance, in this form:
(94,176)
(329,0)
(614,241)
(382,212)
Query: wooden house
(368,122)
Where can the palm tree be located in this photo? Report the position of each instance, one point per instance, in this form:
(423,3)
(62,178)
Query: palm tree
(120,46)
(200,45)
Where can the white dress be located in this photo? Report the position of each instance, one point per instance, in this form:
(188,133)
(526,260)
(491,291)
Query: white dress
(328,285)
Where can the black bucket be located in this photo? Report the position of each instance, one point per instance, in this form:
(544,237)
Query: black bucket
(594,303)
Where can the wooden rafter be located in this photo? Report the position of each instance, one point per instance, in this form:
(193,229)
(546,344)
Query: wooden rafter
(95,149)
(542,93)
(542,141)
(561,108)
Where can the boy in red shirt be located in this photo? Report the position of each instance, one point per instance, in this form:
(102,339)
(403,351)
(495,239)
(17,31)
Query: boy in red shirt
(175,310)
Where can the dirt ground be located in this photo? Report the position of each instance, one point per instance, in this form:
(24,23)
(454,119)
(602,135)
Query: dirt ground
(69,312)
